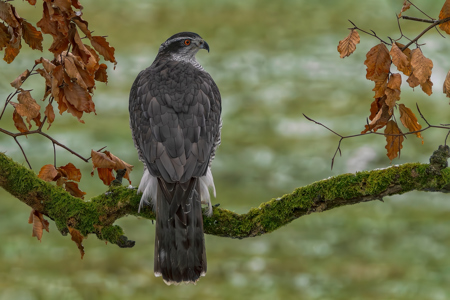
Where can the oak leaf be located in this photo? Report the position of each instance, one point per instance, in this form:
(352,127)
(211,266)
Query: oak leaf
(48,173)
(400,60)
(409,120)
(78,239)
(406,6)
(393,143)
(16,83)
(39,224)
(443,14)
(378,62)
(32,36)
(348,45)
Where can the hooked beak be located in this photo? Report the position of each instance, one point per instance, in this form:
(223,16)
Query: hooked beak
(204,45)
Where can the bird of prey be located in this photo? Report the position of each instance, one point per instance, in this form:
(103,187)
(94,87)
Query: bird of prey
(175,119)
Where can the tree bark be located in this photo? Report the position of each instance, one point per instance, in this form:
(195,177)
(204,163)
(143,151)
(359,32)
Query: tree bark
(99,213)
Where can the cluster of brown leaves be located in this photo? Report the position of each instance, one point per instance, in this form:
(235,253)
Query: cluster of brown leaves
(105,162)
(66,176)
(413,64)
(70,76)
(13,29)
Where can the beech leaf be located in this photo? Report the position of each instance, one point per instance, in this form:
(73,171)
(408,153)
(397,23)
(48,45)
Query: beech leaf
(48,173)
(393,143)
(348,45)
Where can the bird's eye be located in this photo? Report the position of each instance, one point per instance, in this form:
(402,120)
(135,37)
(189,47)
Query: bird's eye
(187,42)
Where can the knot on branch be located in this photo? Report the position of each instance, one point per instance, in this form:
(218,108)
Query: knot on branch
(438,160)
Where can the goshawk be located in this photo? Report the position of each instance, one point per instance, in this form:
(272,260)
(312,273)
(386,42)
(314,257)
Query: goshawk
(175,120)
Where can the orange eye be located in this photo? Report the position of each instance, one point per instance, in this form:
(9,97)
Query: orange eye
(187,42)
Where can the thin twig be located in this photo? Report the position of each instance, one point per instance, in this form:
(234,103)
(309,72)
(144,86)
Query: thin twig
(366,32)
(420,10)
(418,19)
(23,152)
(338,149)
(435,23)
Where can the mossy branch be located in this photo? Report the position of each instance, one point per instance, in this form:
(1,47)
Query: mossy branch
(99,213)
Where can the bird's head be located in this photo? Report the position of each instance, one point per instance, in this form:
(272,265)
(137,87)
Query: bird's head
(183,45)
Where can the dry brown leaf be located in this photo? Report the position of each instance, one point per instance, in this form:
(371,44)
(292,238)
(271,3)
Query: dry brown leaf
(48,173)
(83,25)
(400,60)
(445,13)
(427,87)
(393,143)
(421,66)
(406,6)
(378,62)
(380,120)
(19,123)
(78,47)
(19,80)
(105,175)
(7,14)
(72,71)
(375,107)
(101,74)
(78,239)
(446,87)
(393,89)
(120,164)
(32,2)
(32,36)
(380,86)
(412,80)
(102,46)
(50,114)
(348,45)
(27,106)
(48,65)
(11,52)
(72,188)
(5,36)
(76,4)
(39,224)
(101,160)
(70,172)
(79,98)
(409,120)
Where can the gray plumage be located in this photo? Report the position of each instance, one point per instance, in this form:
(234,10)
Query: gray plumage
(175,109)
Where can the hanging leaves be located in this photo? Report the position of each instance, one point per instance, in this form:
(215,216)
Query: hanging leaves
(400,59)
(39,224)
(394,140)
(409,120)
(406,6)
(444,14)
(105,162)
(348,45)
(78,239)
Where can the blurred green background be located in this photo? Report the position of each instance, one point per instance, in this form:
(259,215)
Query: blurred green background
(273,61)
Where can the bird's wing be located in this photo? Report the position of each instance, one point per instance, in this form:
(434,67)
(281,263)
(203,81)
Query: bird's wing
(175,119)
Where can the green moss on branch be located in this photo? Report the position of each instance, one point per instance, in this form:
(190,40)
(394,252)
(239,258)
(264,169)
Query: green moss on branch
(98,214)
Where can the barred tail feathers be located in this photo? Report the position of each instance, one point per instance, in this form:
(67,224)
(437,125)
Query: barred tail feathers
(180,254)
